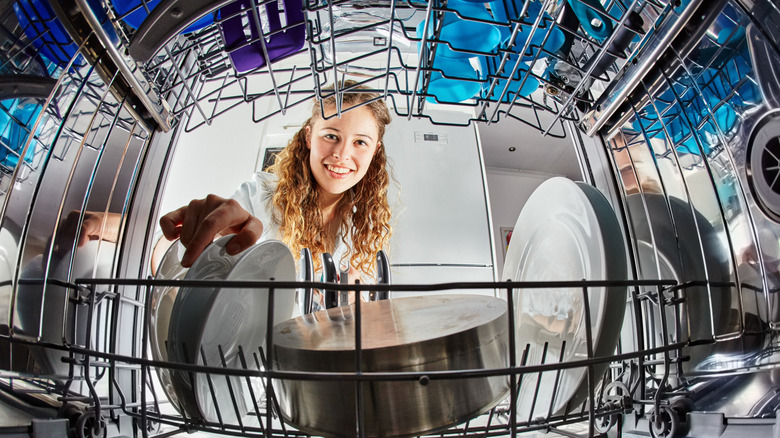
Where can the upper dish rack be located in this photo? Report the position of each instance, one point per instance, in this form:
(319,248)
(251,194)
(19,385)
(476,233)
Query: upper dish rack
(574,51)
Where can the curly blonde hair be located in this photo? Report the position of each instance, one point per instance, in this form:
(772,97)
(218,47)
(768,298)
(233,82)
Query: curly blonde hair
(363,212)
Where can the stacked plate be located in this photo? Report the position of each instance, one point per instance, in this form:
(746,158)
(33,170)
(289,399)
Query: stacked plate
(218,327)
(566,231)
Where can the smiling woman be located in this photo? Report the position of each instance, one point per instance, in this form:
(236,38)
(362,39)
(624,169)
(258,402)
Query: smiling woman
(326,191)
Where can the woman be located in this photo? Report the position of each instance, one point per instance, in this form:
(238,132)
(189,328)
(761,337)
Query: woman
(327,191)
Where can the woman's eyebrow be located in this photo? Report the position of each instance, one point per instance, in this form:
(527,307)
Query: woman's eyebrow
(330,128)
(366,135)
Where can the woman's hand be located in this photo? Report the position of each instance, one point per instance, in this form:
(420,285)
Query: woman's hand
(91,225)
(199,223)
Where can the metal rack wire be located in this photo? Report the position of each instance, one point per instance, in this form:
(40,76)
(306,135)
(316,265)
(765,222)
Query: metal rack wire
(376,43)
(629,384)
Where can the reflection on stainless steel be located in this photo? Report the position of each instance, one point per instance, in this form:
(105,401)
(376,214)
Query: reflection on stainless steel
(764,58)
(96,143)
(674,242)
(685,168)
(17,189)
(741,395)
(411,334)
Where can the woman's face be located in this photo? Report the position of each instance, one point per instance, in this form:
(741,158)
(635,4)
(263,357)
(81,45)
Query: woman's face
(342,149)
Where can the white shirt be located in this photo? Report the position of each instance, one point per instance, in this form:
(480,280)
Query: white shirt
(256,196)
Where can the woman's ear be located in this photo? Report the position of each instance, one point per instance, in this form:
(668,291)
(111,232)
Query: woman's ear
(308,136)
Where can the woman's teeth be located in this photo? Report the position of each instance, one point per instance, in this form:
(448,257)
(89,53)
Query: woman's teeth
(341,170)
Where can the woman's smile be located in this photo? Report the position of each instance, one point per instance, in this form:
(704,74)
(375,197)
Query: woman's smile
(339,172)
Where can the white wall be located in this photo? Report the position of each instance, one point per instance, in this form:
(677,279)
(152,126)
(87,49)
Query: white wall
(213,159)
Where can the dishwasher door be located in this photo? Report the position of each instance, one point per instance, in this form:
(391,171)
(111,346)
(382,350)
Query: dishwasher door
(672,111)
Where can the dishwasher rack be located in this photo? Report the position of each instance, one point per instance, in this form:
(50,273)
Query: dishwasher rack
(190,77)
(643,380)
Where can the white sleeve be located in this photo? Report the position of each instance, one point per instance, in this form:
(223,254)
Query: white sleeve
(255,197)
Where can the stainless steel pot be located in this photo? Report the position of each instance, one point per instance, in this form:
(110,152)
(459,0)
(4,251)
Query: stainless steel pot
(410,334)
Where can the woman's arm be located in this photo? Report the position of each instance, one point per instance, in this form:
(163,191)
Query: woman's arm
(202,220)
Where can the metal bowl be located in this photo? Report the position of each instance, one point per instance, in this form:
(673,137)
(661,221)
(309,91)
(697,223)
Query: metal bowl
(409,334)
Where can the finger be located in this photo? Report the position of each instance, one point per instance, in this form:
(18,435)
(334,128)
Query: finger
(192,216)
(226,216)
(246,236)
(170,224)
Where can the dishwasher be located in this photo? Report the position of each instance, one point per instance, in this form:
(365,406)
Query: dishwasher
(669,110)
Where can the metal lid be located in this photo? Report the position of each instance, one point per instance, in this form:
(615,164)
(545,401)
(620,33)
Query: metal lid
(402,333)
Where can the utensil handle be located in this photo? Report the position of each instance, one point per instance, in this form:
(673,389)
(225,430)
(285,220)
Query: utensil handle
(382,274)
(307,274)
(330,275)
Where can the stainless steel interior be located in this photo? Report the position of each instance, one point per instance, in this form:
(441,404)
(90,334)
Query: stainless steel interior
(679,131)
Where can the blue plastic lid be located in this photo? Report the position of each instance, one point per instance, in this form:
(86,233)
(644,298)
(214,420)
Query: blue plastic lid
(521,84)
(545,26)
(458,80)
(465,34)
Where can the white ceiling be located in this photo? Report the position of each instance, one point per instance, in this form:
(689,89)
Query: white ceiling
(533,151)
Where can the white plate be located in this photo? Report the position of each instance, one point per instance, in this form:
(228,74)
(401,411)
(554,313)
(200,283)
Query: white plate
(160,308)
(205,319)
(566,231)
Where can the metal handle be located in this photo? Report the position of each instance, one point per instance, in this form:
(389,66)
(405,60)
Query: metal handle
(330,275)
(382,274)
(344,279)
(307,274)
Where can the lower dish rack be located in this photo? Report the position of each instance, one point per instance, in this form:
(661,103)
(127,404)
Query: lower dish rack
(112,384)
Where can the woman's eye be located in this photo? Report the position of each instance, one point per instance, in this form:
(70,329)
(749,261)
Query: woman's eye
(331,136)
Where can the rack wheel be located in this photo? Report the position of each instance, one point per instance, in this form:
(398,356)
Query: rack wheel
(88,426)
(664,423)
(605,423)
(614,397)
(152,426)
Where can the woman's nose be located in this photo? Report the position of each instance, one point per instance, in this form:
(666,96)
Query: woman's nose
(341,151)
